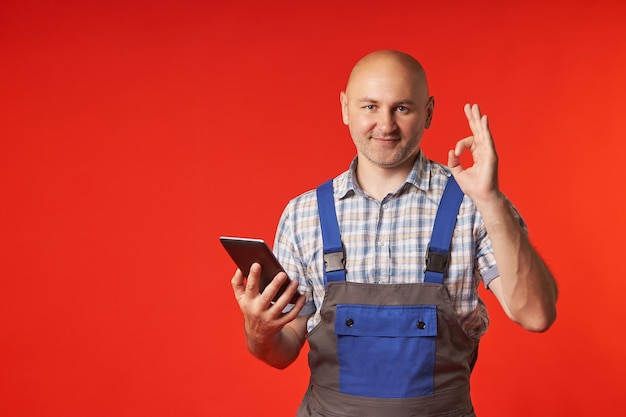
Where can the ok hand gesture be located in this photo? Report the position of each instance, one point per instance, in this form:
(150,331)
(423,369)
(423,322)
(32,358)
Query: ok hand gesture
(479,181)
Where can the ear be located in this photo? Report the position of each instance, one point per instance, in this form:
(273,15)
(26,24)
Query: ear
(430,108)
(344,107)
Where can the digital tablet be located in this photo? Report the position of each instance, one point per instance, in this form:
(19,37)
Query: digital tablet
(246,251)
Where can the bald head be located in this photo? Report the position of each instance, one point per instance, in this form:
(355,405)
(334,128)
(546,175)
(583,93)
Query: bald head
(386,106)
(390,64)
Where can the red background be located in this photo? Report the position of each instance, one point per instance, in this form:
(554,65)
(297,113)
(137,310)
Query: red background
(134,133)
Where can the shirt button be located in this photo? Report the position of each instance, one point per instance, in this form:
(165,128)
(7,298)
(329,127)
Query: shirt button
(349,322)
(385,206)
(421,325)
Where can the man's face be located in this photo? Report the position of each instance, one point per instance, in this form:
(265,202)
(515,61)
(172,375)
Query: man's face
(387,108)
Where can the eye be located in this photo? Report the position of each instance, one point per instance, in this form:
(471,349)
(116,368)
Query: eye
(369,107)
(402,109)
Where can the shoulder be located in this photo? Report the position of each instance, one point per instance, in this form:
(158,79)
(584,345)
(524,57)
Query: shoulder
(427,174)
(430,177)
(301,205)
(307,201)
(437,172)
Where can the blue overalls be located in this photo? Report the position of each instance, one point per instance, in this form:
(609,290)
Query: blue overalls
(387,350)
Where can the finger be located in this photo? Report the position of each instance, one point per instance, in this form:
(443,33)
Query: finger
(269,293)
(468,111)
(254,277)
(463,144)
(480,126)
(479,118)
(471,121)
(472,112)
(285,298)
(476,112)
(487,130)
(297,308)
(237,282)
(454,162)
(454,156)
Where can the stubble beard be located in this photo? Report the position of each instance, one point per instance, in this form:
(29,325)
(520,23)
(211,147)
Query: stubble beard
(389,158)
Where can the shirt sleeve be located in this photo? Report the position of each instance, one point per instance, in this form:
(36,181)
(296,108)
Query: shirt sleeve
(287,254)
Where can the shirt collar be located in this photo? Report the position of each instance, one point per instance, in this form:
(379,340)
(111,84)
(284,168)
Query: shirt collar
(419,177)
(420,173)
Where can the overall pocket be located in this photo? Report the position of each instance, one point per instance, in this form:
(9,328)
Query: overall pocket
(386,351)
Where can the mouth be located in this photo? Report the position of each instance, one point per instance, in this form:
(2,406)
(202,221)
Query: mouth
(385,140)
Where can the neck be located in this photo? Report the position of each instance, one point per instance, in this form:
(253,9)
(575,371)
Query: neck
(379,181)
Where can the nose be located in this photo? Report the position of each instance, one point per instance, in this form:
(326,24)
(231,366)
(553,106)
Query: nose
(386,122)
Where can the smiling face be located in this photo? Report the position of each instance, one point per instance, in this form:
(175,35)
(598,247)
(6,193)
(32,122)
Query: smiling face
(386,107)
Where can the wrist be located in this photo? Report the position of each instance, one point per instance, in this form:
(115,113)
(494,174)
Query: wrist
(490,201)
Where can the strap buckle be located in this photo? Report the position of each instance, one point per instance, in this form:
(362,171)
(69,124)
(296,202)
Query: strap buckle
(334,261)
(437,261)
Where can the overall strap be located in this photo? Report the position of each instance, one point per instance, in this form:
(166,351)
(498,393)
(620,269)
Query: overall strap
(334,255)
(438,252)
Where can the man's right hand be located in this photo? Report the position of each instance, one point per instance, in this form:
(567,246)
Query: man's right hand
(273,336)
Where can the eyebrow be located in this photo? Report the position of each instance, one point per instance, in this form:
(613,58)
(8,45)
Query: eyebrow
(397,103)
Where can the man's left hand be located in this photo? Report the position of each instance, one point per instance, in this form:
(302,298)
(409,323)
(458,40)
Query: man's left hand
(479,181)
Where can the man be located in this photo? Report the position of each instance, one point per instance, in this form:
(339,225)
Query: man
(389,263)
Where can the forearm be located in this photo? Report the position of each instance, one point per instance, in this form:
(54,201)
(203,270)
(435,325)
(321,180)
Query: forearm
(526,288)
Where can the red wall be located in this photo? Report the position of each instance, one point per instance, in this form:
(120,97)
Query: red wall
(134,133)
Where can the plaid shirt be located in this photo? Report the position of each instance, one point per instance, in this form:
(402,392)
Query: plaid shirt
(386,241)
